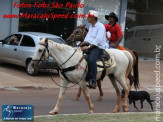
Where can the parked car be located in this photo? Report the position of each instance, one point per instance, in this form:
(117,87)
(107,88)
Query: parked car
(144,39)
(20,47)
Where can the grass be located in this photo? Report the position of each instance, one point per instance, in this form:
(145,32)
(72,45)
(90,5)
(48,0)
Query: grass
(128,117)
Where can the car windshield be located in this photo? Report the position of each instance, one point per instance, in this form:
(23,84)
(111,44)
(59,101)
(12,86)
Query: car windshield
(58,40)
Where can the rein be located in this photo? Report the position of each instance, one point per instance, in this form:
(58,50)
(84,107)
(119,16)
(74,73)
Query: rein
(63,70)
(43,53)
(71,68)
(68,58)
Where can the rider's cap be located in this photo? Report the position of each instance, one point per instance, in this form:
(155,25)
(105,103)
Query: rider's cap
(93,13)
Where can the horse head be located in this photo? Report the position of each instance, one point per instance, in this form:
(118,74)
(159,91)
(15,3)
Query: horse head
(78,34)
(41,53)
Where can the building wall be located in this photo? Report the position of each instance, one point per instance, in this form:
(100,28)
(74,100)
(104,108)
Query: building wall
(104,7)
(15,22)
(5,24)
(8,26)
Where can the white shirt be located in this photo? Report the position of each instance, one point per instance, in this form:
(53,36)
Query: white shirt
(96,35)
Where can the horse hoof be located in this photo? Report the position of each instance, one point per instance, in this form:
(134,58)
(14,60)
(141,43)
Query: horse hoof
(77,98)
(90,112)
(116,110)
(53,112)
(99,98)
(125,110)
(138,110)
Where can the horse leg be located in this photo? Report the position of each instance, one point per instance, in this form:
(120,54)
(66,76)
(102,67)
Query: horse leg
(60,97)
(87,96)
(131,79)
(100,90)
(118,92)
(123,83)
(78,94)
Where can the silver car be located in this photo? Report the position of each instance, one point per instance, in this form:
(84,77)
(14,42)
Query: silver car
(20,47)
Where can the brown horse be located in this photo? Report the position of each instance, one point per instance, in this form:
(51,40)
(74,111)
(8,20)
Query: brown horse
(79,34)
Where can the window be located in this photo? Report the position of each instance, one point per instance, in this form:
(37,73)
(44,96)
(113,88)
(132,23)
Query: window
(129,35)
(13,39)
(142,33)
(157,32)
(27,41)
(6,41)
(60,27)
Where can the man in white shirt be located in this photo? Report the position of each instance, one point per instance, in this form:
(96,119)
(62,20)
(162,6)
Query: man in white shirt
(96,38)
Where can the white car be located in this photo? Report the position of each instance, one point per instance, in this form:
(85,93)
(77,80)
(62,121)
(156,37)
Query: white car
(20,47)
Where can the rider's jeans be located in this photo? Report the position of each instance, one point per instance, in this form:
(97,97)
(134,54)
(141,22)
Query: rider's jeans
(93,56)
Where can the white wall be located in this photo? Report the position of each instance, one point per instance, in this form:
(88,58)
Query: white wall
(8,25)
(104,7)
(5,24)
(15,22)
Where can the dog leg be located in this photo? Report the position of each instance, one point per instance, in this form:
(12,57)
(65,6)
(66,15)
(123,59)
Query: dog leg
(135,106)
(150,104)
(141,102)
(149,100)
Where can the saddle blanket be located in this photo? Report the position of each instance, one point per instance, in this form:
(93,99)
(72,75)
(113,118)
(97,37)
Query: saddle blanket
(109,64)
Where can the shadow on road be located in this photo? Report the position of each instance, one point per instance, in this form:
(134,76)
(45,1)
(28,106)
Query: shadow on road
(19,69)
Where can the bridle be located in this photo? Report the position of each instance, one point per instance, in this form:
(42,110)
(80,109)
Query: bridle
(46,48)
(75,36)
(63,70)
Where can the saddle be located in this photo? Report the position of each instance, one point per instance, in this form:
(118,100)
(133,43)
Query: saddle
(104,56)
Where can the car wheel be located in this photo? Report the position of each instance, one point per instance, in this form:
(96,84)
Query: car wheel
(1,62)
(30,70)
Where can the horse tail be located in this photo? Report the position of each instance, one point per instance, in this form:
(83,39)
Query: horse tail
(136,71)
(130,58)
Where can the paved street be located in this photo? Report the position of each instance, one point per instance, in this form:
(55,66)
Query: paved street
(19,88)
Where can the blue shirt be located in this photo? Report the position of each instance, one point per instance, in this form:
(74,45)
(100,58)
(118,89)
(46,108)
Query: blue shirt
(96,35)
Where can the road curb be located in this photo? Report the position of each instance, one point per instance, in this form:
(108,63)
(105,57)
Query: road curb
(22,87)
(97,114)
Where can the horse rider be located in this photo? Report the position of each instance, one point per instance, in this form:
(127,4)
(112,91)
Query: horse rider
(96,40)
(114,28)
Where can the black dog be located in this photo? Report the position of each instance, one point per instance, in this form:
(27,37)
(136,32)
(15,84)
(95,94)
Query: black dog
(138,95)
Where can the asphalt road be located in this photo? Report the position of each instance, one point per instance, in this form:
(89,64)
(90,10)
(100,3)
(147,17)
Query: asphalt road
(44,100)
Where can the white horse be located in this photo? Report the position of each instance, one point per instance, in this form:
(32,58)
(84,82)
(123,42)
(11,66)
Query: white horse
(65,57)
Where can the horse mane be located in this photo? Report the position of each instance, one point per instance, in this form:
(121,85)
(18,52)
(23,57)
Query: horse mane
(86,29)
(62,46)
(80,26)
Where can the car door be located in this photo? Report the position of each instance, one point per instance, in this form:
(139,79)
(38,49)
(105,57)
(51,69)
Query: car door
(155,38)
(141,41)
(9,49)
(26,49)
(129,39)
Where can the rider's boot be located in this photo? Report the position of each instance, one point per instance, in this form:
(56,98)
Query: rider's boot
(92,84)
